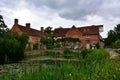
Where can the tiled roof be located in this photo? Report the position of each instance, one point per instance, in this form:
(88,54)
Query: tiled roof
(60,32)
(87,30)
(32,32)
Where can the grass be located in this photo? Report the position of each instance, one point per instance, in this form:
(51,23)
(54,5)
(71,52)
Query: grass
(94,65)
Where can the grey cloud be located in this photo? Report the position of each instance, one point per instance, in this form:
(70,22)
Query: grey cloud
(110,8)
(81,9)
(71,9)
(9,3)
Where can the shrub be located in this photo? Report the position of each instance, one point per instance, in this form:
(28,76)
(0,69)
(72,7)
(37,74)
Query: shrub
(84,52)
(28,47)
(97,46)
(35,46)
(15,51)
(67,51)
(51,53)
(116,44)
(12,47)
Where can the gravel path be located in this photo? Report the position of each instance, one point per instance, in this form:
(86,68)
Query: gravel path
(112,53)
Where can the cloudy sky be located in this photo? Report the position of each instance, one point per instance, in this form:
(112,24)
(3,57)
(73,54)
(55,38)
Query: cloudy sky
(65,13)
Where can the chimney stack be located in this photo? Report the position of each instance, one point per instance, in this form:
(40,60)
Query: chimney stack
(16,21)
(42,29)
(28,25)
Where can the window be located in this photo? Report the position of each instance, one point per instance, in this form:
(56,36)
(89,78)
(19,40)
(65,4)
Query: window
(94,43)
(87,36)
(87,41)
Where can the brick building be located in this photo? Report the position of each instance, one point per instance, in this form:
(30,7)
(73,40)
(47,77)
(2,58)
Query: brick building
(88,35)
(33,34)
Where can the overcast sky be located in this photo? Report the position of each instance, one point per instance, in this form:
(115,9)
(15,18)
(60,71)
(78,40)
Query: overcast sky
(65,13)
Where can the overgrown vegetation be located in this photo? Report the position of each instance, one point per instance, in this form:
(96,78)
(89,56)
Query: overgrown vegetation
(48,42)
(12,45)
(95,65)
(113,38)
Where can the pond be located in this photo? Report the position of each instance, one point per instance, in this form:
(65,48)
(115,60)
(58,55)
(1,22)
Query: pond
(21,68)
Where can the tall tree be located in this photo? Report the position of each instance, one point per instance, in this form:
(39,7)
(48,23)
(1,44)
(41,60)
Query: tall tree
(12,45)
(48,30)
(117,31)
(113,36)
(3,26)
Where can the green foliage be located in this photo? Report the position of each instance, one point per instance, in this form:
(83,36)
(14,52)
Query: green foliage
(57,45)
(12,47)
(52,54)
(113,35)
(97,46)
(15,52)
(65,40)
(67,51)
(28,47)
(48,30)
(116,44)
(85,52)
(3,26)
(49,42)
(35,46)
(95,66)
(11,44)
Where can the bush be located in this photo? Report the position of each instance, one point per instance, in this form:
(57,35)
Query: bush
(15,51)
(97,46)
(35,46)
(51,53)
(85,52)
(12,47)
(28,47)
(95,66)
(116,44)
(67,51)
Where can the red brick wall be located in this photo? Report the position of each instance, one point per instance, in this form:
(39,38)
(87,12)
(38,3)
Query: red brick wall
(75,33)
(16,29)
(91,38)
(33,39)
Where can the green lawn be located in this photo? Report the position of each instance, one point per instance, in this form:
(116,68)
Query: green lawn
(93,65)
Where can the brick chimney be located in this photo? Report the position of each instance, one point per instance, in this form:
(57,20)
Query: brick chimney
(16,21)
(28,25)
(42,29)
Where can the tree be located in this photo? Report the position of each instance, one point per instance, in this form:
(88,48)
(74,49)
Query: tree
(117,31)
(113,36)
(48,42)
(116,44)
(12,45)
(3,26)
(48,30)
